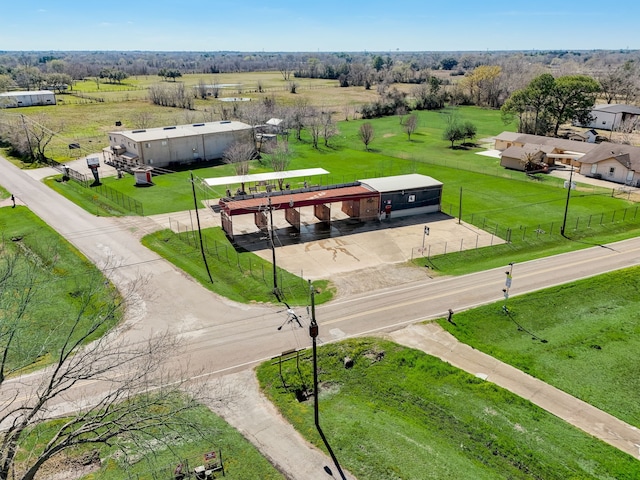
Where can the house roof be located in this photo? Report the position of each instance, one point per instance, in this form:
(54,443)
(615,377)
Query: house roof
(627,155)
(400,182)
(617,108)
(178,131)
(521,152)
(557,143)
(508,136)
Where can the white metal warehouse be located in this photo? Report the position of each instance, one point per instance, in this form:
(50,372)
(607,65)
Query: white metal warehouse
(175,145)
(27,99)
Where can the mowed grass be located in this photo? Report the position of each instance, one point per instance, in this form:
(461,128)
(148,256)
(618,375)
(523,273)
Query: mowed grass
(591,333)
(399,413)
(58,278)
(239,276)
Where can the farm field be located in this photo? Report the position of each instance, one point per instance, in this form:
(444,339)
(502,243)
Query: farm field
(399,413)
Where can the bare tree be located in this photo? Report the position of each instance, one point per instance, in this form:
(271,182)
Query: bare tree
(130,398)
(297,115)
(329,128)
(314,126)
(201,89)
(142,119)
(279,158)
(366,134)
(239,154)
(31,136)
(410,125)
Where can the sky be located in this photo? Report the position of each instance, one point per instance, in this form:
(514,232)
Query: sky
(326,26)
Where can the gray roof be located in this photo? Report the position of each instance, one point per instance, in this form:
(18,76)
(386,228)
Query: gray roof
(508,136)
(149,134)
(617,108)
(627,155)
(400,182)
(559,143)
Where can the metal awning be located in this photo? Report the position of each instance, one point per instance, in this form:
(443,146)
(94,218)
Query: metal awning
(264,177)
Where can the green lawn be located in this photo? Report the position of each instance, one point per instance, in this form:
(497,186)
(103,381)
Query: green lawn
(592,338)
(57,280)
(399,413)
(240,276)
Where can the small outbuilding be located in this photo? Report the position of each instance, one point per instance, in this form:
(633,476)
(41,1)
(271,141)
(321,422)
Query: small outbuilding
(404,195)
(27,99)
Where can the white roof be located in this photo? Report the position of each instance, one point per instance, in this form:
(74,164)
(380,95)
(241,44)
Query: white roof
(260,177)
(274,121)
(401,182)
(178,131)
(33,92)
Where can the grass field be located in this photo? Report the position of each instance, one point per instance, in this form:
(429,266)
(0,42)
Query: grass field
(57,278)
(592,338)
(240,276)
(399,413)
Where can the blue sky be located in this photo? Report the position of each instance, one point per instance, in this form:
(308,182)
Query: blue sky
(327,25)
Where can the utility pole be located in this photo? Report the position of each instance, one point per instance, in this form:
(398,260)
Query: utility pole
(313,333)
(195,202)
(566,207)
(276,291)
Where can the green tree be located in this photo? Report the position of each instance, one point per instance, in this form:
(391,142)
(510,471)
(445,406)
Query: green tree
(573,98)
(469,130)
(453,132)
(546,103)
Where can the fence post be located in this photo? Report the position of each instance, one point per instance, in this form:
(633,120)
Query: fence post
(524,232)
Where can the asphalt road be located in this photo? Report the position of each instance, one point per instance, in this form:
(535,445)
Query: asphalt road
(223,337)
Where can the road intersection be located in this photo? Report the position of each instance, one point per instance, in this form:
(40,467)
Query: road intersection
(225,339)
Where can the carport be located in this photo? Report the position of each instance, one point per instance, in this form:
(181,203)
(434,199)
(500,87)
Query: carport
(358,201)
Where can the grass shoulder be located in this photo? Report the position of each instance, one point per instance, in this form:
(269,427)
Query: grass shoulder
(398,413)
(240,276)
(582,342)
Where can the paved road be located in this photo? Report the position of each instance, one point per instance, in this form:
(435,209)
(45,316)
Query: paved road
(223,337)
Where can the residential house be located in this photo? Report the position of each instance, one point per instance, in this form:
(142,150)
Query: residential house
(612,162)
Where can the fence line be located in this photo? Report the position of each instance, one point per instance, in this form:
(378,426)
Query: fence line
(246,265)
(126,202)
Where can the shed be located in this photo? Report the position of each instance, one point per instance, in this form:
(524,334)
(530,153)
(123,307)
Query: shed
(410,194)
(27,99)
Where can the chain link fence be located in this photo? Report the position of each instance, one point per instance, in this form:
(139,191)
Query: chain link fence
(249,265)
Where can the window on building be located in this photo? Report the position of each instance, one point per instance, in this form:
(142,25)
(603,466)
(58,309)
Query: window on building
(594,168)
(164,143)
(148,145)
(612,170)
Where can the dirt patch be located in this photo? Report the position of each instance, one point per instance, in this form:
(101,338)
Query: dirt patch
(375,278)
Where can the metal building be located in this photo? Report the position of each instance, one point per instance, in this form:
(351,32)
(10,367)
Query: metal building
(27,99)
(174,145)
